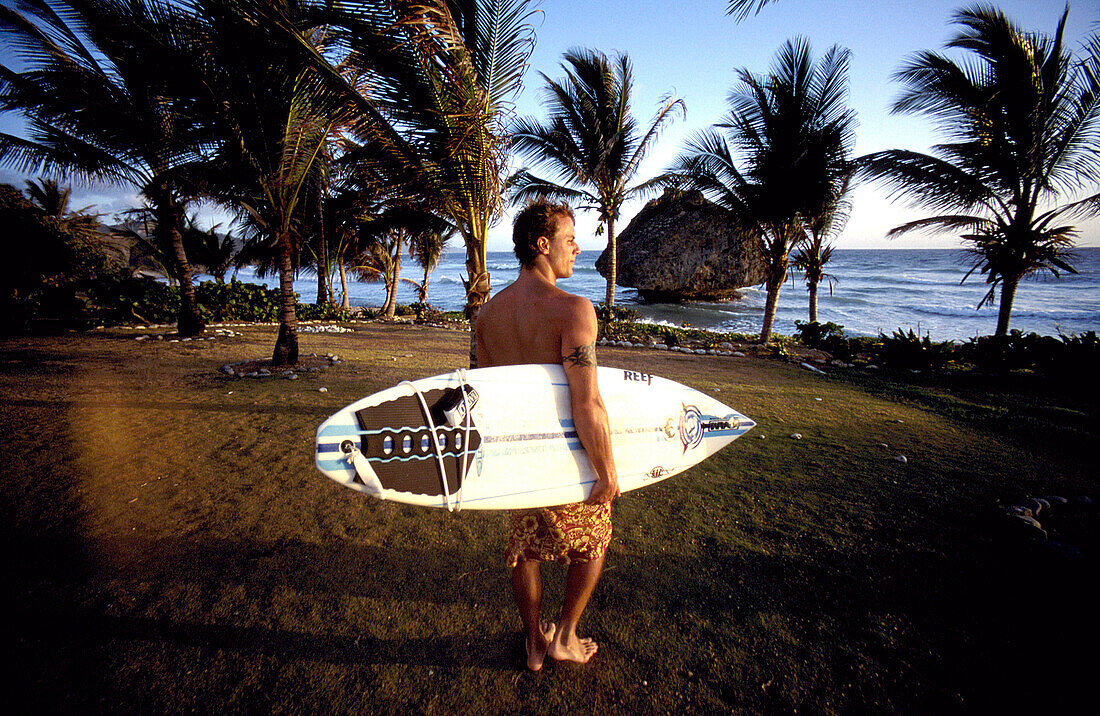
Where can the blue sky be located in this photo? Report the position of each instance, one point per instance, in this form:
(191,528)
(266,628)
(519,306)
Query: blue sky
(692,49)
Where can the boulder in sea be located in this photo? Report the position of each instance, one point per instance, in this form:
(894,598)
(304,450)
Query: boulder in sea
(682,246)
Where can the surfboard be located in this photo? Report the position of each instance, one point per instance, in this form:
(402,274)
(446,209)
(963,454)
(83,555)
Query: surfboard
(503,437)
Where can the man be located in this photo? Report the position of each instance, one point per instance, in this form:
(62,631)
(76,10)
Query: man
(533,321)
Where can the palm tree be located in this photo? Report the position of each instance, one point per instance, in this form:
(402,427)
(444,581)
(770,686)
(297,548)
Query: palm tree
(383,241)
(208,249)
(822,226)
(443,74)
(1022,115)
(790,134)
(344,211)
(427,249)
(810,258)
(99,109)
(590,143)
(274,122)
(53,199)
(139,228)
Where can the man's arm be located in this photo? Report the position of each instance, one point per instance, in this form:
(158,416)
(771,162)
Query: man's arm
(578,358)
(483,358)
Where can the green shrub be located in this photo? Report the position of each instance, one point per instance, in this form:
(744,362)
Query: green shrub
(119,298)
(814,335)
(612,314)
(830,338)
(237,301)
(1056,357)
(322,312)
(425,312)
(908,351)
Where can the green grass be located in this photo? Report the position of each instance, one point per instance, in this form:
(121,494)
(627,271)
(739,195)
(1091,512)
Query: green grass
(173,549)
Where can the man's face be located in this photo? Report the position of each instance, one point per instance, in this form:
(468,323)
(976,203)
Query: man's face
(563,248)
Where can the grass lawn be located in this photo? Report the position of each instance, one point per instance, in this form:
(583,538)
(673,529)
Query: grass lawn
(170,546)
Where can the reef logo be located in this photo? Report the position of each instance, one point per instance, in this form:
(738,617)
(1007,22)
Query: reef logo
(691,427)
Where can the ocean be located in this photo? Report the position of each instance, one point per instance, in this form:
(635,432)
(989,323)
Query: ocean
(874,291)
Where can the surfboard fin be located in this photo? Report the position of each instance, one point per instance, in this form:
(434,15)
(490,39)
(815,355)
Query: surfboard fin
(365,472)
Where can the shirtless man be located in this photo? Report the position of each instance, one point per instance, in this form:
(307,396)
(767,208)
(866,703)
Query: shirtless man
(533,321)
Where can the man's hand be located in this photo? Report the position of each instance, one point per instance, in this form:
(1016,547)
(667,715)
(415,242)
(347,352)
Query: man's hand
(604,491)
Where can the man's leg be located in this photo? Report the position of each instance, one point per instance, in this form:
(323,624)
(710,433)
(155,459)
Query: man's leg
(527,590)
(580,583)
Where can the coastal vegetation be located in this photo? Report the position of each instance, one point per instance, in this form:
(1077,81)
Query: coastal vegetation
(251,103)
(1021,114)
(314,122)
(781,161)
(98,109)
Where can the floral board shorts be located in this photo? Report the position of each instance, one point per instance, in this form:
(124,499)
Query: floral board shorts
(566,534)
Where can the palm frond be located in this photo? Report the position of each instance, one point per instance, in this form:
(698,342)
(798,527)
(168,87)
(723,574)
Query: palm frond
(741,9)
(524,186)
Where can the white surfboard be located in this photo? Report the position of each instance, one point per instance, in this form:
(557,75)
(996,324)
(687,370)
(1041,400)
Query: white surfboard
(503,438)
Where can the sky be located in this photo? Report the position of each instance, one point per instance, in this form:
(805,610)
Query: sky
(692,49)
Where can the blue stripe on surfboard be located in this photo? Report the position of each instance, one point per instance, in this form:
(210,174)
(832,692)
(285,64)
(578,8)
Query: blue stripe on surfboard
(513,494)
(454,495)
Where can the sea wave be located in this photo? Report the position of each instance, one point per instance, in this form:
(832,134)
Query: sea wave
(877,291)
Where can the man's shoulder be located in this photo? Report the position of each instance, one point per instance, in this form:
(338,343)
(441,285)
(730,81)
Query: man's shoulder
(494,303)
(576,304)
(579,316)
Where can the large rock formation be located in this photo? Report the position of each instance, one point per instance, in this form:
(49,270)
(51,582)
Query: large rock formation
(682,246)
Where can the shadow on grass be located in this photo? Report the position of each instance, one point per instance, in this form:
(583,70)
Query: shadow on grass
(493,651)
(929,630)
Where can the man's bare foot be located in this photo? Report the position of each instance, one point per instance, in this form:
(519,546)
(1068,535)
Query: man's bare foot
(536,653)
(575,649)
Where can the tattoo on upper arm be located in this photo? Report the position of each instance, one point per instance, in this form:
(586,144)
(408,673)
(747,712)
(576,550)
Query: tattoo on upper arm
(584,356)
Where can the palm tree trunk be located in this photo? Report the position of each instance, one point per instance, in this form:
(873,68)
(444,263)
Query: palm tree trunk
(324,291)
(477,287)
(1004,312)
(777,257)
(613,264)
(813,300)
(346,305)
(169,216)
(394,278)
(422,293)
(286,345)
(770,306)
(322,276)
(343,286)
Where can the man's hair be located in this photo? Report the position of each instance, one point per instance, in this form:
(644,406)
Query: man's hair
(539,218)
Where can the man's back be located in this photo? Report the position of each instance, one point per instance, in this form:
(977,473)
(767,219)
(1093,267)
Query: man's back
(525,322)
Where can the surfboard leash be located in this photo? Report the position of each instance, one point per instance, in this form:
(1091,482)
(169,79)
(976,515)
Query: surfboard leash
(435,441)
(466,407)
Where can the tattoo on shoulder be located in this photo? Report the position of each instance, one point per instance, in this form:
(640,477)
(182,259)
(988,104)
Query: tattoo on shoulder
(584,356)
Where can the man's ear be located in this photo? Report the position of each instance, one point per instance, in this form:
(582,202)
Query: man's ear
(543,245)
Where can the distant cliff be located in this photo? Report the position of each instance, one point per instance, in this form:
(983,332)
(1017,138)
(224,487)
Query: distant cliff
(683,247)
